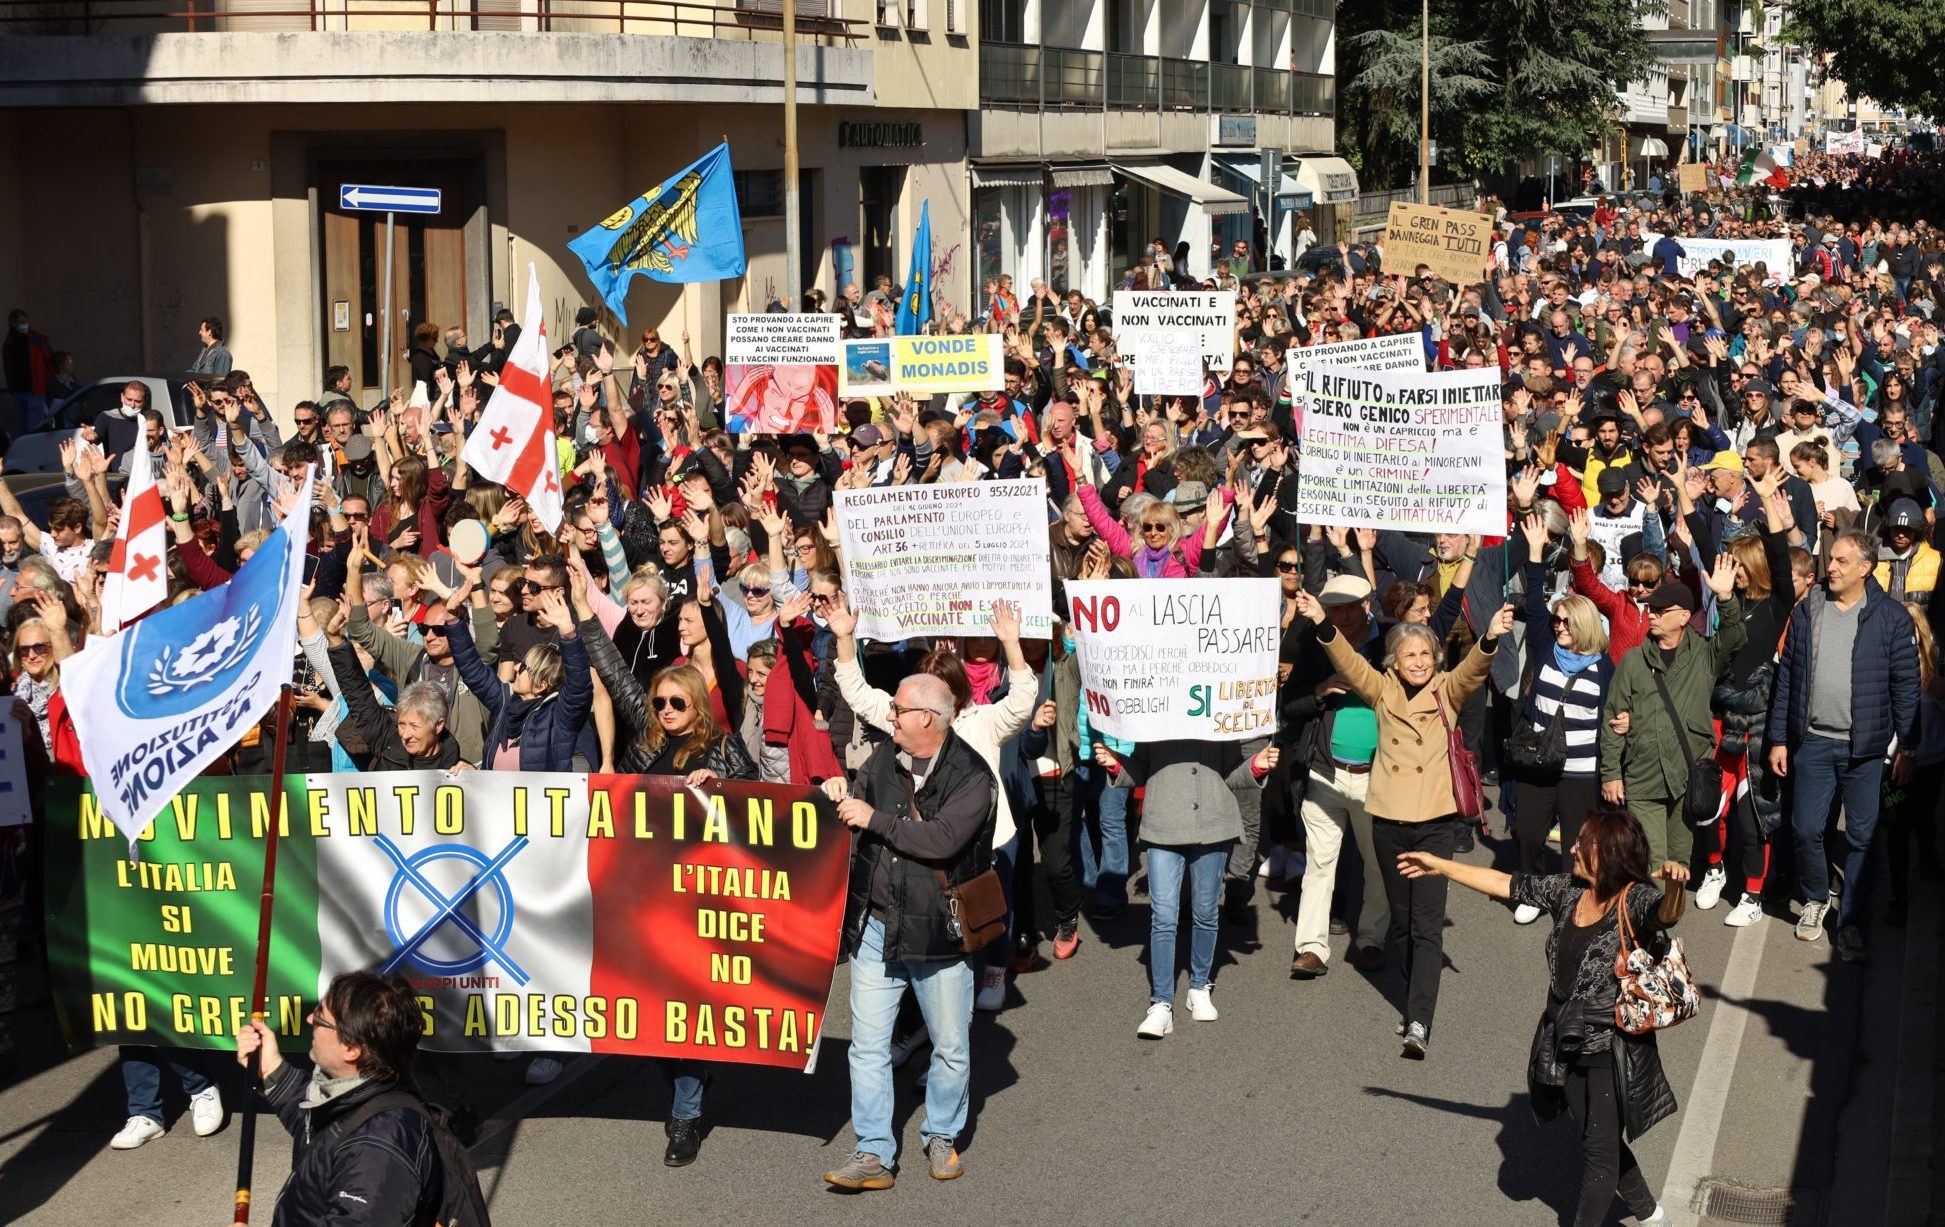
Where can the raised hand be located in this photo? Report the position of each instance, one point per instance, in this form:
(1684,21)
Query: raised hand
(1004,619)
(1310,607)
(659,504)
(1526,487)
(1580,526)
(1722,578)
(839,616)
(1502,622)
(794,610)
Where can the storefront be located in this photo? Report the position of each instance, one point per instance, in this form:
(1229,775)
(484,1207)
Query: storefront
(1332,186)
(1244,173)
(1177,207)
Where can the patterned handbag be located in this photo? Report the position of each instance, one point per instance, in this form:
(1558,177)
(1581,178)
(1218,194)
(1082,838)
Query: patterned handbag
(1655,993)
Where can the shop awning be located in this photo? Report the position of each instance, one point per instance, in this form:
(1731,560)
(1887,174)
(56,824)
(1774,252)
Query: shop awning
(1289,195)
(1328,180)
(1215,201)
(1009,174)
(1653,147)
(1084,174)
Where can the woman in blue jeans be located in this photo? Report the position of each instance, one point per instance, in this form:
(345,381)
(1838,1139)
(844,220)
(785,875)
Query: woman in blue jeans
(1189,819)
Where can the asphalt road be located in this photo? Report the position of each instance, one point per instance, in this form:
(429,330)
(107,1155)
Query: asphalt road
(1294,1107)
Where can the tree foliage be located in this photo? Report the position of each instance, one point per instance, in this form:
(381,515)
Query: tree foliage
(1884,50)
(1549,70)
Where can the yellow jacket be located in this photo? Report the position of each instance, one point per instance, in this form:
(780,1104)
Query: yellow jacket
(1921,575)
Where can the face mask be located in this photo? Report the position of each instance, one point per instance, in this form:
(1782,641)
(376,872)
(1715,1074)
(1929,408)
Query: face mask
(21,329)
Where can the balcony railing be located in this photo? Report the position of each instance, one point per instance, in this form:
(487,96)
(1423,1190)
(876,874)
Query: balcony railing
(817,22)
(1018,74)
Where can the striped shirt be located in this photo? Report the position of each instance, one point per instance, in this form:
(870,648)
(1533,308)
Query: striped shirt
(1582,698)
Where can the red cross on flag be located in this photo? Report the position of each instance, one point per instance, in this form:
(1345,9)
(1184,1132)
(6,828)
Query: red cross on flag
(513,444)
(138,571)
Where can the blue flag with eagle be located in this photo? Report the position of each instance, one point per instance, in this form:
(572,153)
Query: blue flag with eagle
(686,228)
(915,305)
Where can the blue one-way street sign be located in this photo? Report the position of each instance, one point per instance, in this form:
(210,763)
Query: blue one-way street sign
(372,198)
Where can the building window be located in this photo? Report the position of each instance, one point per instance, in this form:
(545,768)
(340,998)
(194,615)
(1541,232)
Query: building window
(1003,21)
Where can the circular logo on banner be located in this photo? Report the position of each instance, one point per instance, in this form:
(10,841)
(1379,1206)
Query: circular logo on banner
(161,677)
(440,911)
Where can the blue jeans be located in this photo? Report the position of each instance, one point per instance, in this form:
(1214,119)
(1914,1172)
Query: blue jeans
(142,1077)
(1104,872)
(1203,864)
(687,1079)
(945,998)
(1824,770)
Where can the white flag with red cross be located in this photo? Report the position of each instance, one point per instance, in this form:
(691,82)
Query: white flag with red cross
(513,444)
(138,570)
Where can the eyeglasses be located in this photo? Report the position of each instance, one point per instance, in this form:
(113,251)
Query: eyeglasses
(897,711)
(1289,568)
(532,586)
(1643,583)
(305,421)
(1154,528)
(321,1024)
(819,598)
(1557,620)
(34,649)
(675,702)
(357,515)
(755,592)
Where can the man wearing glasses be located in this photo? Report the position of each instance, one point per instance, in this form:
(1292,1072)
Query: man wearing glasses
(353,1147)
(547,573)
(1270,466)
(925,808)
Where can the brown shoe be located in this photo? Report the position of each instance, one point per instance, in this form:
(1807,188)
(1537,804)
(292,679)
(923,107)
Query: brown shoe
(1307,966)
(1369,959)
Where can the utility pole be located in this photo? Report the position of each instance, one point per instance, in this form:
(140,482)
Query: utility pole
(1424,101)
(793,256)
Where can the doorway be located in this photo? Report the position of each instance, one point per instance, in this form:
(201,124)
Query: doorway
(879,188)
(435,278)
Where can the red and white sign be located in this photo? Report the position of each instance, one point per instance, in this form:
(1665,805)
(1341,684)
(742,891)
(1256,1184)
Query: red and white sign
(514,441)
(138,571)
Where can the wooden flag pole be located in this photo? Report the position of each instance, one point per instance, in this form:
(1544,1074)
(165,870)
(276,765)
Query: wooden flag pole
(259,999)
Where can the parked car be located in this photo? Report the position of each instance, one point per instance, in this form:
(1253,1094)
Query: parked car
(40,451)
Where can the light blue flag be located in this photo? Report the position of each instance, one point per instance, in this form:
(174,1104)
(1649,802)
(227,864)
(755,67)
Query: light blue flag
(915,307)
(686,228)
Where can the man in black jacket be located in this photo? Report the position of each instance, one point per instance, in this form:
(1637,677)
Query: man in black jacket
(364,1034)
(925,809)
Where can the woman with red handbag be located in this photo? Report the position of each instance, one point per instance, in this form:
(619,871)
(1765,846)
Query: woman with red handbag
(1610,1081)
(1424,783)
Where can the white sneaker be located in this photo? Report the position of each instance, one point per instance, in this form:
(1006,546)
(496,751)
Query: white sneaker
(1202,1006)
(1272,866)
(542,1070)
(1658,1219)
(1809,923)
(1525,914)
(992,990)
(1748,910)
(139,1131)
(1709,893)
(1158,1023)
(206,1111)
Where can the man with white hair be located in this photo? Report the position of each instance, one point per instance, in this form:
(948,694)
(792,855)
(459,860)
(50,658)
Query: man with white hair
(924,808)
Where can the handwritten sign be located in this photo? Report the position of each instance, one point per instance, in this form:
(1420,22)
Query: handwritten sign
(1408,450)
(1211,314)
(1177,658)
(1171,362)
(1452,243)
(1694,177)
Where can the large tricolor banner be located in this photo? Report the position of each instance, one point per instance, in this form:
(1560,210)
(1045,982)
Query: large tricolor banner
(533,911)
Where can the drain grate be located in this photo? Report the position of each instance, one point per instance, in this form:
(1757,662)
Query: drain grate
(1734,1202)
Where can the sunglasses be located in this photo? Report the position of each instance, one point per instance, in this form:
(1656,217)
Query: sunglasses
(34,649)
(676,702)
(819,598)
(1643,583)
(755,592)
(357,515)
(1557,620)
(1289,568)
(1154,528)
(305,421)
(531,586)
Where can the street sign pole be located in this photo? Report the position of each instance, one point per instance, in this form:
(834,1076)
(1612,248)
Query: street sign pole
(385,332)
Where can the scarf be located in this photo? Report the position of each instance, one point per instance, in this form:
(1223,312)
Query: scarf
(985,677)
(1571,662)
(323,1090)
(1151,563)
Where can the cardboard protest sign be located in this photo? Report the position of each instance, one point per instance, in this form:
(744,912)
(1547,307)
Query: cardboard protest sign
(1453,243)
(780,372)
(1177,658)
(1414,451)
(881,366)
(931,560)
(1211,314)
(1694,177)
(1171,363)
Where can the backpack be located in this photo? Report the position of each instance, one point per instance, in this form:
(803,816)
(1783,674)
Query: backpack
(462,1204)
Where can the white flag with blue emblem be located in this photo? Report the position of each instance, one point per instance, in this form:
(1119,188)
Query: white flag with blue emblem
(156,704)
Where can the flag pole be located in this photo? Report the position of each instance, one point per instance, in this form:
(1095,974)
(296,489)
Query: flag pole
(259,990)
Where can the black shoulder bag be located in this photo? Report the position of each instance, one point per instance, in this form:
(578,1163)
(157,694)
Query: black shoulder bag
(1538,753)
(1704,797)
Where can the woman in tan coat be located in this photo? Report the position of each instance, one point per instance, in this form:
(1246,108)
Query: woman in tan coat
(1410,801)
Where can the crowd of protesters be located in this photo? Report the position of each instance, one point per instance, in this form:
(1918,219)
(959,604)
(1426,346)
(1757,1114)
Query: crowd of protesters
(1699,659)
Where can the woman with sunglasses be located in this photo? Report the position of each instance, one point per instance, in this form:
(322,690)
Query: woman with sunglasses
(753,615)
(1566,683)
(1610,1082)
(535,721)
(40,644)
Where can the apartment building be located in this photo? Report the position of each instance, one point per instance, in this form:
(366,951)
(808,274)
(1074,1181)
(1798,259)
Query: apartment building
(174,159)
(1103,125)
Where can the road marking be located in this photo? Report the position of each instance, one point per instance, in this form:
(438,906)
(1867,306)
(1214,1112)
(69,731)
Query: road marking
(1708,1099)
(518,1110)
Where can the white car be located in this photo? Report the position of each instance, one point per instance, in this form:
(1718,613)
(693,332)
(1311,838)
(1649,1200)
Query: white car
(40,451)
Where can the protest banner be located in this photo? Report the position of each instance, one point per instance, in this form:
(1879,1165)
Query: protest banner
(1843,142)
(532,911)
(1452,243)
(1694,177)
(1388,351)
(881,366)
(1414,451)
(1171,363)
(1177,658)
(780,372)
(1799,147)
(931,560)
(1211,314)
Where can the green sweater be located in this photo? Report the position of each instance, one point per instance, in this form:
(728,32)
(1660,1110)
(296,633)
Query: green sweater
(1650,760)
